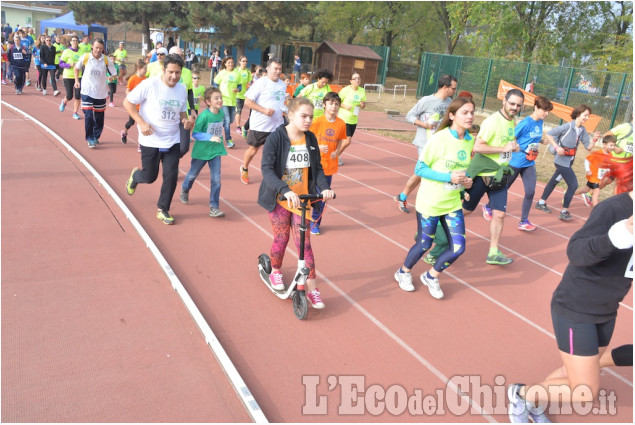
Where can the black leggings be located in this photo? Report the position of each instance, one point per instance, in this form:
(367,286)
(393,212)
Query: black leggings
(69,85)
(572,184)
(44,74)
(529,182)
(112,89)
(130,123)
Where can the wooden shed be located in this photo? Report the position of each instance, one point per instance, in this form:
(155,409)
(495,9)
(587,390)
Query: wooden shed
(343,59)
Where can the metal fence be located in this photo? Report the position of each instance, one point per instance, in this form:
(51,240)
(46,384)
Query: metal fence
(608,94)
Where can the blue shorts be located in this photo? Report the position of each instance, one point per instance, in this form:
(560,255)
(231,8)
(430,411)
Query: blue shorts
(581,339)
(497,198)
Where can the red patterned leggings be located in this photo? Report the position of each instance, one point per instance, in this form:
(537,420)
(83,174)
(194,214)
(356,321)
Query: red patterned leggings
(284,222)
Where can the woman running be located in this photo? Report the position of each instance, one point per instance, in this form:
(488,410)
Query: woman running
(567,138)
(228,82)
(244,77)
(47,65)
(441,166)
(68,60)
(353,99)
(291,173)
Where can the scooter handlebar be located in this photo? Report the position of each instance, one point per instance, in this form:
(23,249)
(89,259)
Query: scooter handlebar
(309,197)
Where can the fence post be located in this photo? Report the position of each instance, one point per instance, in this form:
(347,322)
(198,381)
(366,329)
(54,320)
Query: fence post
(423,71)
(566,96)
(617,102)
(489,71)
(526,76)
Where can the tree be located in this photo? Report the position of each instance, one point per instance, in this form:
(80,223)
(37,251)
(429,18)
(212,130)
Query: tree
(454,16)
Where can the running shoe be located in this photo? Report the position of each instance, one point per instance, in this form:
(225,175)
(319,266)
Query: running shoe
(430,259)
(28,83)
(124,137)
(315,299)
(433,286)
(526,226)
(487,213)
(96,141)
(215,212)
(339,161)
(131,186)
(498,259)
(244,133)
(543,207)
(91,143)
(185,197)
(244,175)
(43,92)
(275,278)
(401,205)
(139,148)
(315,229)
(405,281)
(18,92)
(62,106)
(112,105)
(76,117)
(239,131)
(4,82)
(565,216)
(517,408)
(165,217)
(230,144)
(56,93)
(587,199)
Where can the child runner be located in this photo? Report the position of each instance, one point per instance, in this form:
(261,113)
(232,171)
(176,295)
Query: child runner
(228,82)
(244,75)
(112,85)
(330,131)
(353,99)
(305,80)
(315,92)
(197,89)
(442,166)
(595,171)
(138,76)
(208,148)
(284,172)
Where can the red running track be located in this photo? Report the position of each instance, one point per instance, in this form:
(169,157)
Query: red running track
(493,323)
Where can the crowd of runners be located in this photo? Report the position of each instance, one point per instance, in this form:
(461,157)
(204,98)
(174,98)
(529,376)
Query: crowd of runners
(303,133)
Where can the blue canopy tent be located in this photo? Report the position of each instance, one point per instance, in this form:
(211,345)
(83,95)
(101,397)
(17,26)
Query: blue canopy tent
(67,22)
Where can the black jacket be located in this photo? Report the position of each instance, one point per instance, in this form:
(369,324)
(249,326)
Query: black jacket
(274,159)
(47,55)
(593,283)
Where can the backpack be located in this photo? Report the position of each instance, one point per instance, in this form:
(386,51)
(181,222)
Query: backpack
(86,59)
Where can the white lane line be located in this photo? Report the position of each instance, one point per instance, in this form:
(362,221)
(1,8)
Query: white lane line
(217,349)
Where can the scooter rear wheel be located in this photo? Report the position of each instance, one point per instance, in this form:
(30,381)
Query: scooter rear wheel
(300,305)
(265,263)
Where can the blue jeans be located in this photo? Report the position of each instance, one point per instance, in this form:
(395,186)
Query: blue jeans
(318,207)
(214,171)
(230,114)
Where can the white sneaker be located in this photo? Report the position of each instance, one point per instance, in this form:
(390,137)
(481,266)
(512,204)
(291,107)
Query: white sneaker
(56,93)
(43,92)
(433,286)
(405,281)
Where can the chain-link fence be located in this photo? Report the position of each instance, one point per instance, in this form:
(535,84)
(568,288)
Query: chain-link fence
(608,94)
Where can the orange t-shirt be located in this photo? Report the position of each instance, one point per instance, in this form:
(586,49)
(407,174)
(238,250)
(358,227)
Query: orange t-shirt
(134,82)
(595,164)
(328,133)
(296,173)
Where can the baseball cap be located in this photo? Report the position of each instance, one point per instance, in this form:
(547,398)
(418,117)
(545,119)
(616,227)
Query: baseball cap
(162,51)
(121,42)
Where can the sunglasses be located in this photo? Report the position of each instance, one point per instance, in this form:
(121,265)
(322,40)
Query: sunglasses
(160,54)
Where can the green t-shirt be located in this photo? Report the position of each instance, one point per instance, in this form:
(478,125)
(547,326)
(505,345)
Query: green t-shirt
(198,92)
(497,132)
(353,98)
(624,135)
(443,153)
(70,58)
(298,90)
(244,76)
(120,56)
(316,96)
(84,48)
(228,81)
(59,48)
(212,124)
(154,69)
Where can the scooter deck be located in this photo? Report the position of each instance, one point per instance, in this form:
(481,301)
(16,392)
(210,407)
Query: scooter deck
(282,293)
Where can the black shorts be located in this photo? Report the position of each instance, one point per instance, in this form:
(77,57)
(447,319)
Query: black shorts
(257,138)
(497,198)
(69,85)
(350,129)
(592,185)
(239,105)
(581,339)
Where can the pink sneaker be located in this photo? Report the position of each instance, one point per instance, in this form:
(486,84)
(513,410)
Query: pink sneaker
(315,299)
(276,281)
(139,148)
(111,104)
(526,226)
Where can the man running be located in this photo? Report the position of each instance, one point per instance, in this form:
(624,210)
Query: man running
(265,98)
(163,107)
(94,90)
(426,116)
(495,143)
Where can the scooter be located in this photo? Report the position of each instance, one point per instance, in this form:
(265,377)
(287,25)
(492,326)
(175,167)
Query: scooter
(295,289)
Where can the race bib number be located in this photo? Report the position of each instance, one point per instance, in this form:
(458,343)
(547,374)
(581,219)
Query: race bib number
(319,104)
(356,111)
(505,156)
(629,148)
(17,56)
(452,186)
(168,114)
(215,129)
(95,72)
(603,172)
(298,157)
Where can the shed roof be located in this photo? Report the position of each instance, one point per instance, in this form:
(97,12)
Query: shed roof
(349,50)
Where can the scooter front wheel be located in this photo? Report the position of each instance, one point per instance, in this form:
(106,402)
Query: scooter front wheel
(300,305)
(265,263)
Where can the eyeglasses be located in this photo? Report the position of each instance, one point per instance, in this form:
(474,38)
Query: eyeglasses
(196,78)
